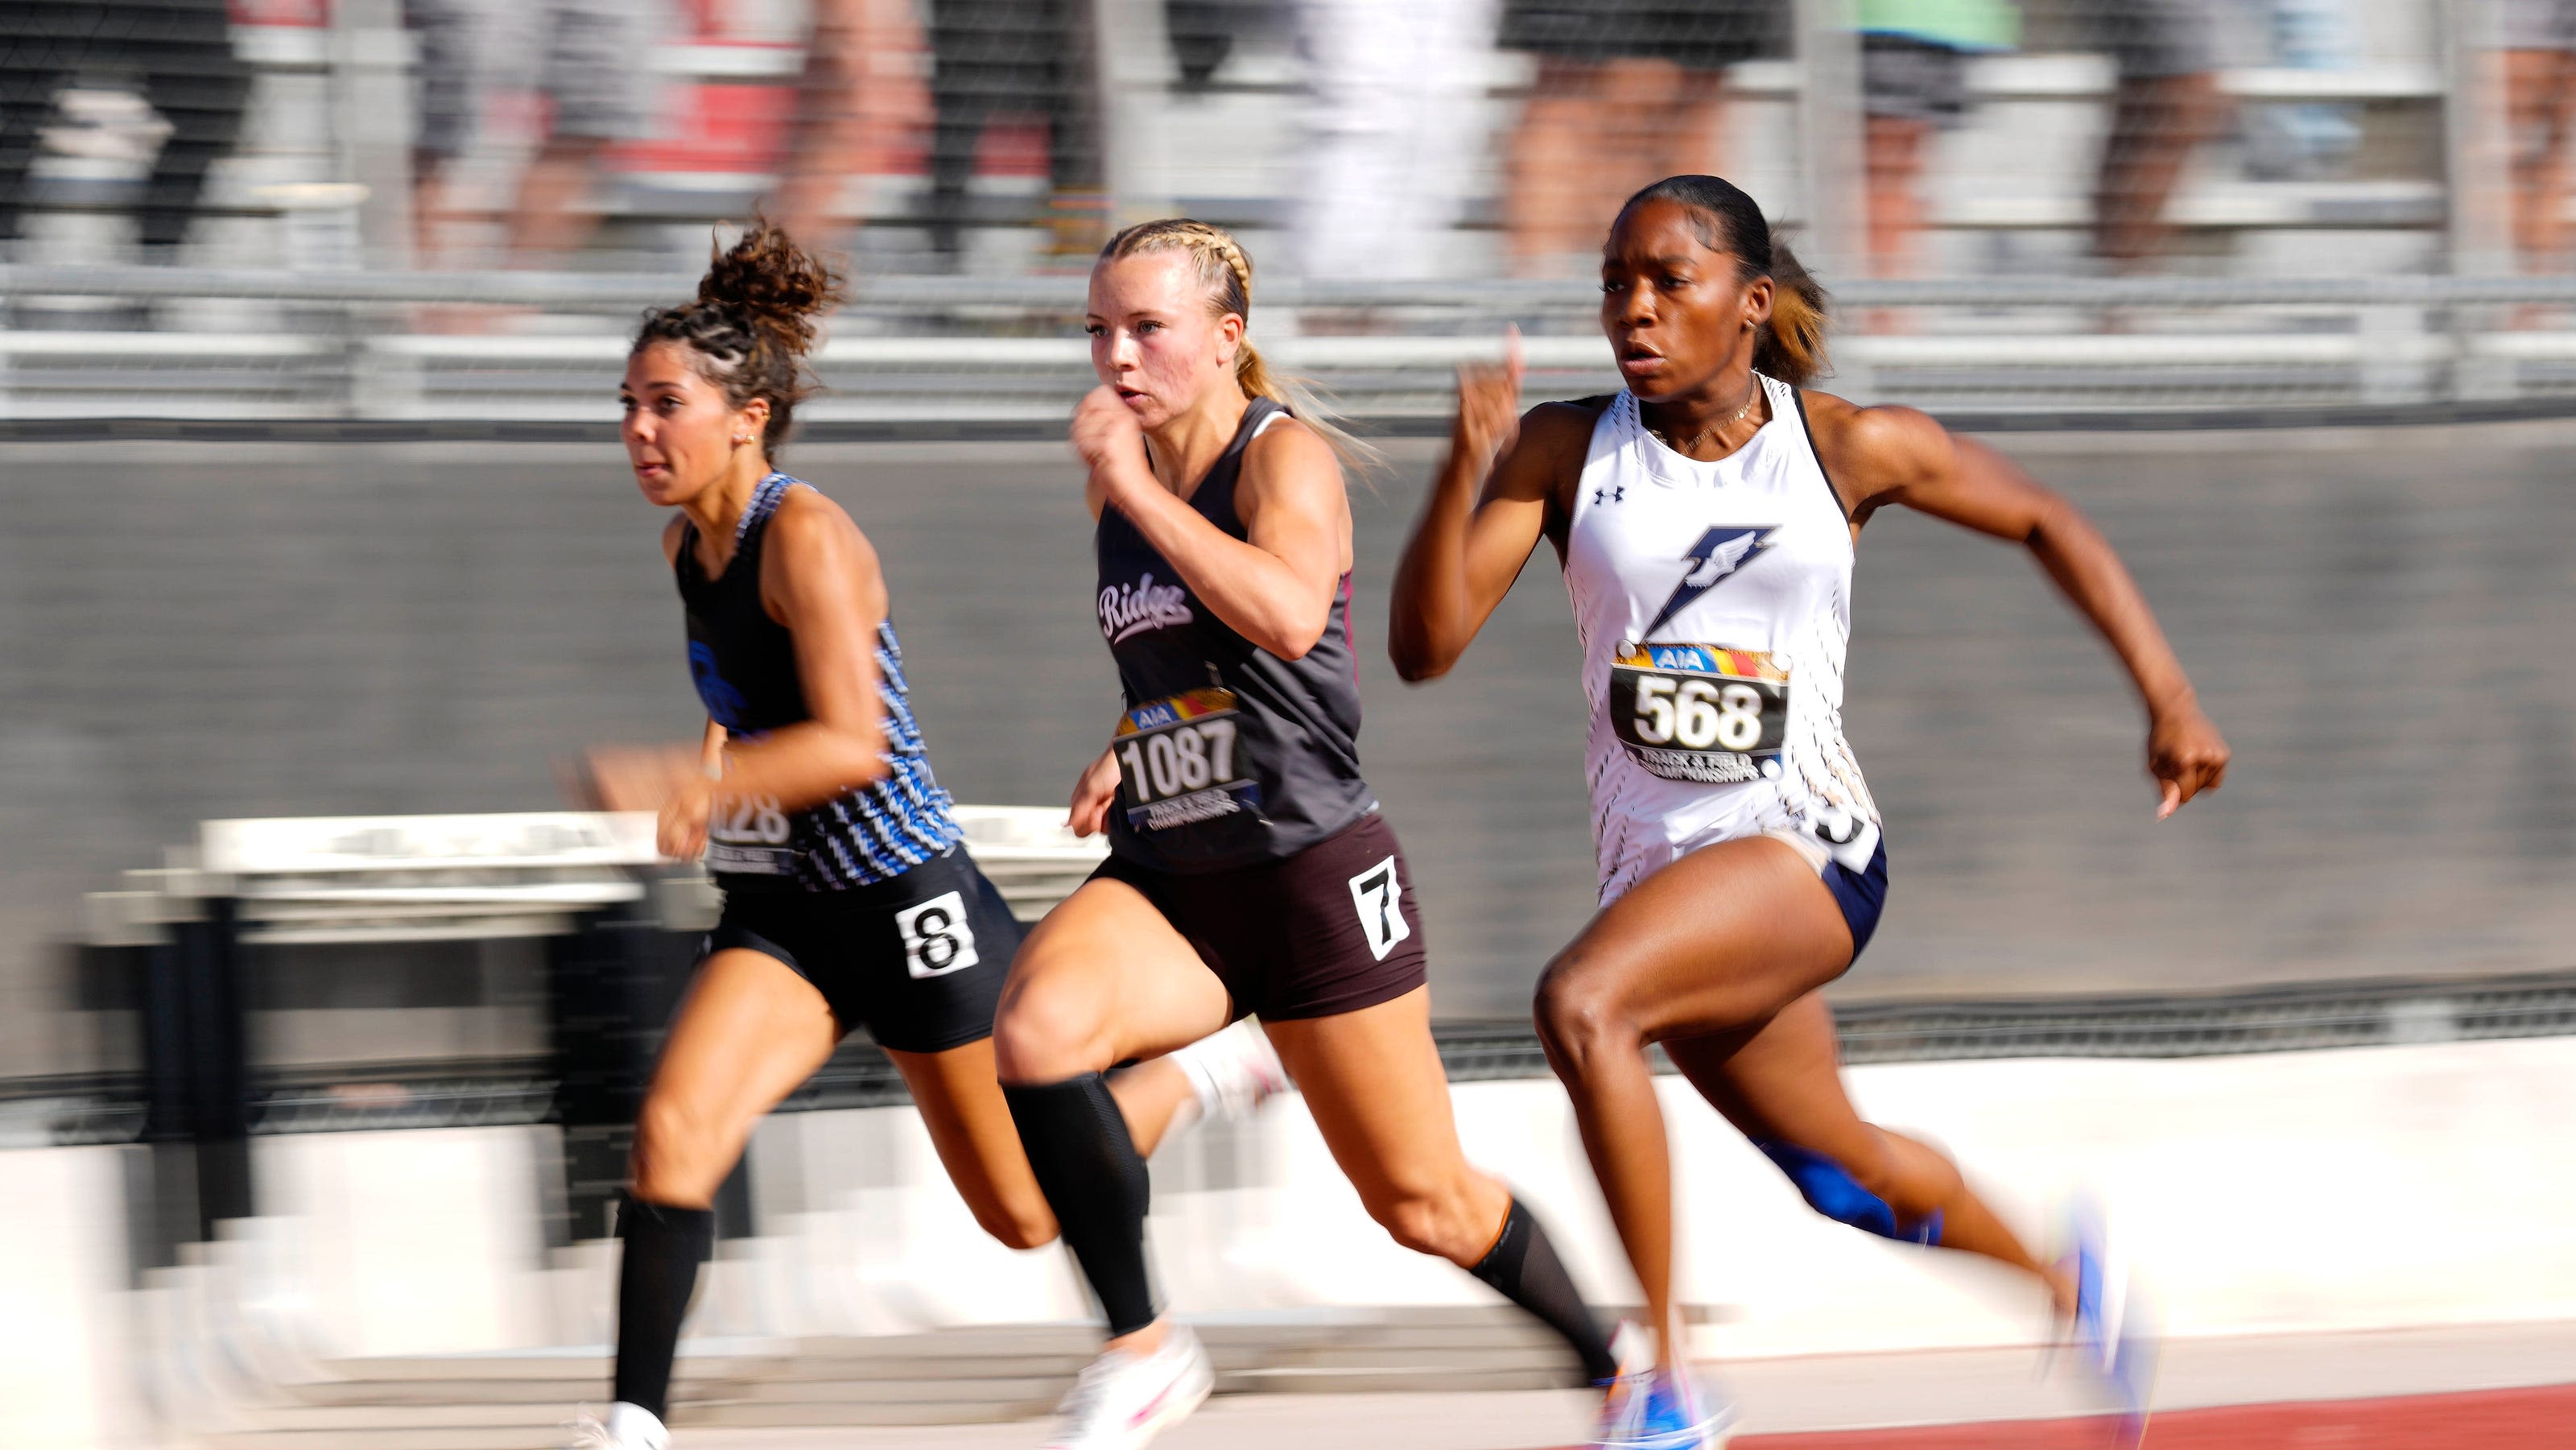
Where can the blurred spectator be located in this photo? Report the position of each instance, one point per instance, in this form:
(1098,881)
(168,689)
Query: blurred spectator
(854,104)
(1627,92)
(2167,103)
(1914,81)
(179,53)
(1201,34)
(1002,57)
(591,60)
(2306,138)
(2540,85)
(1392,132)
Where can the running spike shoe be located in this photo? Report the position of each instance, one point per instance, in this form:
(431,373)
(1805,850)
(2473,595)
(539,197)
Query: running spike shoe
(628,1427)
(1661,1410)
(2113,1332)
(1232,1072)
(1123,1400)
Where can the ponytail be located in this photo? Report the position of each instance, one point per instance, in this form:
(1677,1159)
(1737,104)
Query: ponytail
(752,324)
(1226,271)
(1792,348)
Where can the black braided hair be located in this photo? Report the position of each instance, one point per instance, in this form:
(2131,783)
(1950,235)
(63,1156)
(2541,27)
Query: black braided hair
(753,322)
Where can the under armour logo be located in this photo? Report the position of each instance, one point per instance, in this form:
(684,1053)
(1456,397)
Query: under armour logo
(1618,493)
(1718,555)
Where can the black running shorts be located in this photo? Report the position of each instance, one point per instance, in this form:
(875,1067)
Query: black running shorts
(1329,930)
(917,959)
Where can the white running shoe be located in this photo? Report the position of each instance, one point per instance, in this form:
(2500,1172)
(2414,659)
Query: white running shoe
(1232,1072)
(628,1427)
(1123,1400)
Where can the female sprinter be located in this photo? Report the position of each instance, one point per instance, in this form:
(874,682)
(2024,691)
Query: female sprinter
(1706,519)
(848,899)
(1249,869)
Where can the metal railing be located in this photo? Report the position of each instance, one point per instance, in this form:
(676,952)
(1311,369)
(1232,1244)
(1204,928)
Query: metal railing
(917,350)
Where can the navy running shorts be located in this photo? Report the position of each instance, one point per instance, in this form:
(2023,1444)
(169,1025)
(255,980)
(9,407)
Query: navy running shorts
(917,959)
(1861,894)
(1331,929)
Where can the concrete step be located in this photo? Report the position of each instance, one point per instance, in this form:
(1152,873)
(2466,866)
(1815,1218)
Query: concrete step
(946,1377)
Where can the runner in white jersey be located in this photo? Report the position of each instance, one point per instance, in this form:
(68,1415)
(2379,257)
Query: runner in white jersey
(1706,518)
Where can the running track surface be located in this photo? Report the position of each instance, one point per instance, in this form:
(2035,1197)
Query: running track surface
(2533,1419)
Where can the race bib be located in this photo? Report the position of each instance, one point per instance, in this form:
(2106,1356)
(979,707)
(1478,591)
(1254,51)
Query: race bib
(1181,761)
(747,836)
(1700,713)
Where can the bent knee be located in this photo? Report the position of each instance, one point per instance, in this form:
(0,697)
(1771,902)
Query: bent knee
(1581,1012)
(1048,1033)
(682,1152)
(1439,1221)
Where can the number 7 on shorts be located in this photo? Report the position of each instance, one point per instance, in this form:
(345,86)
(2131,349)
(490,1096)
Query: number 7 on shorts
(1378,895)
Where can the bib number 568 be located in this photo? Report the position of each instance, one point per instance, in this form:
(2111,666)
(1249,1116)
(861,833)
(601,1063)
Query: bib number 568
(1698,714)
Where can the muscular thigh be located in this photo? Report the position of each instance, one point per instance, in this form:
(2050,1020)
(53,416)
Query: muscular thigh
(1720,939)
(1103,980)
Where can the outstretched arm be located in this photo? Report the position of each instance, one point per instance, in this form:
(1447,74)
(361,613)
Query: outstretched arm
(1468,546)
(1881,456)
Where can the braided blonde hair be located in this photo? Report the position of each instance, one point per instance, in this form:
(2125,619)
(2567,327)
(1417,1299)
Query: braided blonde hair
(1226,272)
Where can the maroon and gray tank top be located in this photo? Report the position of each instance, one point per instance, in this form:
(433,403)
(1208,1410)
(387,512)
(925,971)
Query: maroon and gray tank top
(1228,755)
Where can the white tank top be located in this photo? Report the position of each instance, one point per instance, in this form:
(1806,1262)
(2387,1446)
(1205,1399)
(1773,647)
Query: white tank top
(1713,604)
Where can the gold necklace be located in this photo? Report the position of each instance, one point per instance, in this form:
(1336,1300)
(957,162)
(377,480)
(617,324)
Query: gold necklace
(1696,438)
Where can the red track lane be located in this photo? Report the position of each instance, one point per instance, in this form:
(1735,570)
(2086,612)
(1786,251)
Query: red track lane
(2538,1419)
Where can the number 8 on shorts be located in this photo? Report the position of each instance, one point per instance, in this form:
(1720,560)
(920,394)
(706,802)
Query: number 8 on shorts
(937,938)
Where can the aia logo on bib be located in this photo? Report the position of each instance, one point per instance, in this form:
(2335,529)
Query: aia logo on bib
(1718,554)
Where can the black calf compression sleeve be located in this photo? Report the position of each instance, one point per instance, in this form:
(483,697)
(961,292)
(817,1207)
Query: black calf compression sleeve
(1523,1266)
(664,1247)
(1086,1163)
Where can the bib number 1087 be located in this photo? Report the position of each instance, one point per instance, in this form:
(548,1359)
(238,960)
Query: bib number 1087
(1178,759)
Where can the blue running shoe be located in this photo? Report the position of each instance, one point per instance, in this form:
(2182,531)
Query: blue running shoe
(1662,1411)
(2112,1329)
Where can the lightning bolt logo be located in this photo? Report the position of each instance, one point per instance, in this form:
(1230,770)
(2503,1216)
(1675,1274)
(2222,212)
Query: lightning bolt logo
(1718,554)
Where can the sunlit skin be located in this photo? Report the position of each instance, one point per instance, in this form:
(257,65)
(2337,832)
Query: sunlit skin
(1719,955)
(1682,323)
(1105,978)
(693,450)
(751,1029)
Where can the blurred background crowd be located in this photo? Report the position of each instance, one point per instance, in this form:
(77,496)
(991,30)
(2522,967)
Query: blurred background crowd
(311,319)
(1371,138)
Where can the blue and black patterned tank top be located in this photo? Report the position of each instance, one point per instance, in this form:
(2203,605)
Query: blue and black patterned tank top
(1228,755)
(744,663)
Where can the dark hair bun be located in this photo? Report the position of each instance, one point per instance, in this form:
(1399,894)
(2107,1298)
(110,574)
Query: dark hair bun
(776,286)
